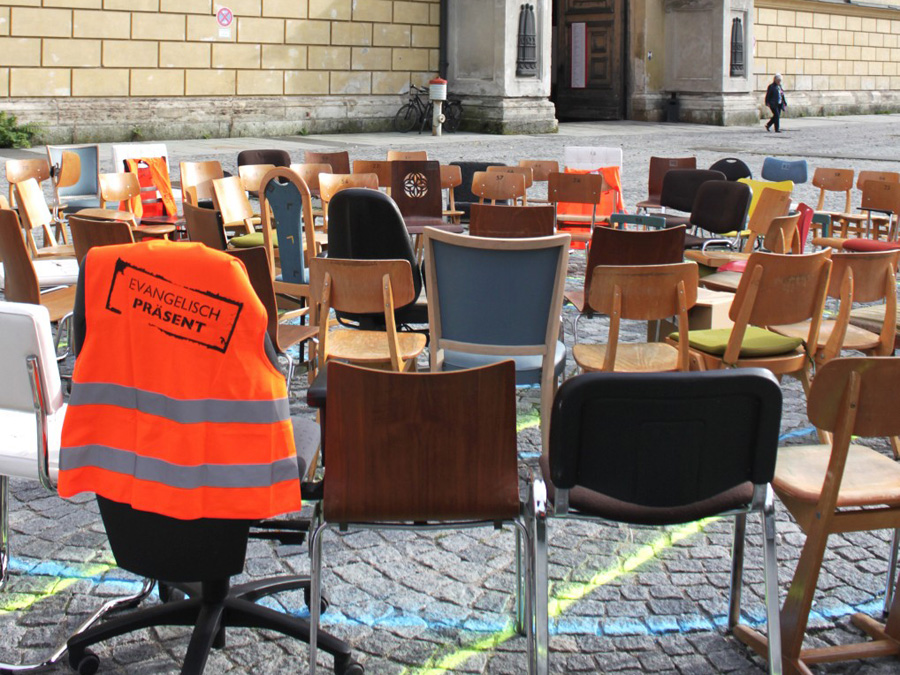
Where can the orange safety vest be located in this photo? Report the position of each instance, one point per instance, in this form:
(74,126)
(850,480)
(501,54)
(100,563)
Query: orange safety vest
(175,407)
(610,200)
(159,175)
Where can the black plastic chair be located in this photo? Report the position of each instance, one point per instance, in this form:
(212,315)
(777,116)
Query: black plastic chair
(720,207)
(273,156)
(679,189)
(367,225)
(733,168)
(663,449)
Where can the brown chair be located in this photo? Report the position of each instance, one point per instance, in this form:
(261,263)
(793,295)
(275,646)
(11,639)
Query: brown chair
(364,287)
(416,188)
(339,161)
(283,335)
(407,156)
(575,188)
(88,232)
(200,175)
(659,166)
(881,197)
(643,293)
(839,181)
(526,171)
(540,172)
(310,175)
(205,226)
(18,170)
(21,280)
(510,222)
(251,174)
(497,186)
(451,178)
(380,167)
(231,201)
(679,192)
(120,189)
(838,488)
(855,221)
(36,215)
(332,183)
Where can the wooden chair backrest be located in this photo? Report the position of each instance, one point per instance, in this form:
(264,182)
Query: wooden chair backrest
(34,212)
(783,236)
(118,187)
(332,183)
(865,406)
(380,167)
(4,204)
(69,169)
(881,176)
(256,262)
(881,196)
(869,271)
(526,171)
(448,438)
(540,168)
(204,226)
(584,188)
(310,174)
(305,234)
(356,285)
(659,166)
(416,188)
(20,278)
(18,170)
(339,161)
(231,200)
(251,174)
(498,186)
(87,233)
(770,205)
(200,175)
(645,292)
(833,180)
(510,222)
(451,176)
(407,155)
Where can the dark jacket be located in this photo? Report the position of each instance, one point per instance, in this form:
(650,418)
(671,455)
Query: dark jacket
(772,96)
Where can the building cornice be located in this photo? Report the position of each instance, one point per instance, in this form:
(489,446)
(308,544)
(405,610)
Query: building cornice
(844,7)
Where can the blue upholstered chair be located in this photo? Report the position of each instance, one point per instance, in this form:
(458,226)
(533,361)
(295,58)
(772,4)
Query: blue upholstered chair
(796,170)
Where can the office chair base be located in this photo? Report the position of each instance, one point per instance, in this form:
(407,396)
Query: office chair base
(215,609)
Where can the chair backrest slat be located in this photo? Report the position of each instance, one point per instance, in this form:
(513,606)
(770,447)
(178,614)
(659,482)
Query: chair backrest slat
(204,226)
(497,220)
(231,200)
(200,175)
(21,282)
(339,160)
(356,284)
(87,233)
(875,409)
(648,292)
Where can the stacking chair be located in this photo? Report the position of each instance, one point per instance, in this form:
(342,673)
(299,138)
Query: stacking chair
(21,280)
(451,178)
(496,186)
(540,172)
(31,417)
(591,158)
(251,174)
(271,156)
(50,271)
(18,170)
(89,232)
(794,170)
(628,448)
(361,287)
(339,160)
(659,167)
(310,175)
(380,167)
(494,299)
(407,156)
(75,189)
(638,221)
(35,215)
(884,198)
(525,171)
(204,226)
(855,221)
(642,293)
(122,189)
(575,188)
(332,183)
(838,181)
(733,168)
(720,208)
(420,451)
(416,187)
(679,190)
(837,488)
(757,187)
(462,193)
(200,175)
(487,220)
(230,199)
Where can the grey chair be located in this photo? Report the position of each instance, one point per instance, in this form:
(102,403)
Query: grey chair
(495,299)
(662,449)
(85,193)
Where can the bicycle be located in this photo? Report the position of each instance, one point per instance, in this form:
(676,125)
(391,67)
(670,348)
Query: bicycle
(417,112)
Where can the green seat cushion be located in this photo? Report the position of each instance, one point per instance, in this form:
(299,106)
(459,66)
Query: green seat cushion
(757,342)
(249,240)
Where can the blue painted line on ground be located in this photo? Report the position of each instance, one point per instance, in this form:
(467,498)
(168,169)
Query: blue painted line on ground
(797,433)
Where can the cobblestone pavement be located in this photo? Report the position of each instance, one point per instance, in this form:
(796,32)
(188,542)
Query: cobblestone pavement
(638,599)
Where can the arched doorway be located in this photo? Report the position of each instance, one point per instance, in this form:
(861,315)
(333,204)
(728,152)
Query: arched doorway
(589,59)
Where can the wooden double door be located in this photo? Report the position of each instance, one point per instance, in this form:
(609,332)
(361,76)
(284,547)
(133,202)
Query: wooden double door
(589,65)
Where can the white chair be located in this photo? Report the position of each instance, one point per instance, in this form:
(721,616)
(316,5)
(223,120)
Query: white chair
(591,158)
(123,151)
(31,417)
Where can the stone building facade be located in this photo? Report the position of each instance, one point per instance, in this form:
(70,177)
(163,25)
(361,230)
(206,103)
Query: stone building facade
(120,69)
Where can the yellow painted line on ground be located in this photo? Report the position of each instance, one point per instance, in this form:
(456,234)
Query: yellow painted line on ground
(22,601)
(528,421)
(562,598)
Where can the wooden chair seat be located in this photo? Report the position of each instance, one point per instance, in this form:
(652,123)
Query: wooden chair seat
(158,231)
(61,251)
(722,281)
(714,257)
(59,302)
(791,362)
(870,478)
(856,338)
(291,334)
(371,347)
(576,297)
(652,357)
(871,319)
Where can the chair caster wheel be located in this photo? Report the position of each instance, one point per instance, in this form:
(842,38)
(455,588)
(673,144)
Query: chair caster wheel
(323,601)
(347,666)
(170,593)
(85,663)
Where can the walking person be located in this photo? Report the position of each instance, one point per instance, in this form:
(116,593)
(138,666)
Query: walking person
(777,102)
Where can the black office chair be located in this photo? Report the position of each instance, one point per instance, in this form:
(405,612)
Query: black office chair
(195,558)
(367,225)
(663,449)
(720,207)
(679,189)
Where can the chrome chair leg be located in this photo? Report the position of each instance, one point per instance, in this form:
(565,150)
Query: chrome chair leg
(523,528)
(315,587)
(520,586)
(773,615)
(737,570)
(892,572)
(4,529)
(540,582)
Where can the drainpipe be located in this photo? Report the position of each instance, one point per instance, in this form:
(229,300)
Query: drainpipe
(443,62)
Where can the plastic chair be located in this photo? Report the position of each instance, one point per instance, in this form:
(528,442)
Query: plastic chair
(733,168)
(757,187)
(85,191)
(794,170)
(626,447)
(583,158)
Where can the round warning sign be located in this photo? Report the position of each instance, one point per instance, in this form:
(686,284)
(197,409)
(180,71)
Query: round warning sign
(224,16)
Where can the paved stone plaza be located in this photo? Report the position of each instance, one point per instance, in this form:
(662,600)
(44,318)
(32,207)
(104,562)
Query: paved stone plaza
(630,599)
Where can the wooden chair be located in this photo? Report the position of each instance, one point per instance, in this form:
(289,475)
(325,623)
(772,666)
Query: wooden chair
(251,174)
(659,166)
(416,188)
(231,201)
(339,160)
(205,226)
(451,178)
(88,232)
(758,186)
(504,187)
(380,167)
(642,293)
(363,287)
(524,170)
(540,172)
(837,488)
(21,280)
(511,222)
(838,181)
(36,215)
(120,189)
(332,183)
(18,170)
(881,197)
(775,290)
(310,175)
(573,188)
(200,175)
(854,222)
(75,169)
(407,156)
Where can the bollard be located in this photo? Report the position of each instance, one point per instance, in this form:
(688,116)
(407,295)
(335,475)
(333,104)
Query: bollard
(437,92)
